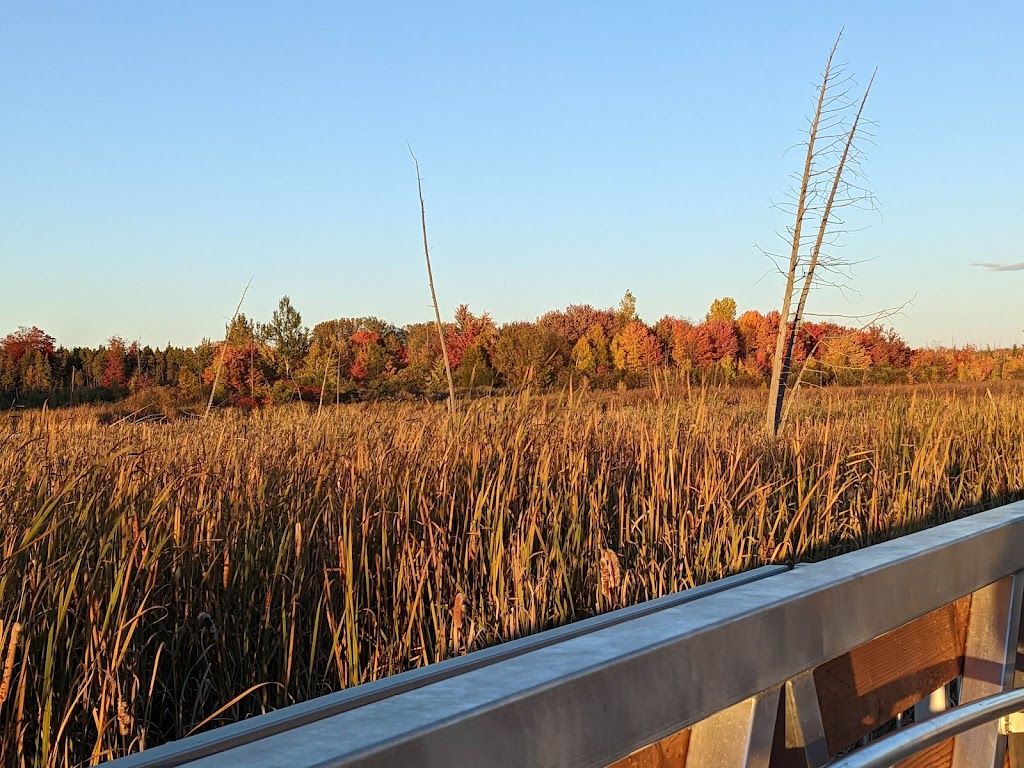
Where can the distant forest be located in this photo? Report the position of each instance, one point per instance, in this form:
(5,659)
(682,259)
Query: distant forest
(338,360)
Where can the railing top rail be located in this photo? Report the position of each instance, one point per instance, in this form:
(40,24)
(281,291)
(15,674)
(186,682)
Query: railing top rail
(184,751)
(596,697)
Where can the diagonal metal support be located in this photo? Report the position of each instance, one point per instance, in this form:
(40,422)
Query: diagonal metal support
(989,663)
(737,737)
(800,734)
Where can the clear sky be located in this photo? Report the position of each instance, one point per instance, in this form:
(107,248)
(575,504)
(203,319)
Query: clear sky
(154,156)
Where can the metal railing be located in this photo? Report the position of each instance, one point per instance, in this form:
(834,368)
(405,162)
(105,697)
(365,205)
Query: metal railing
(732,663)
(916,738)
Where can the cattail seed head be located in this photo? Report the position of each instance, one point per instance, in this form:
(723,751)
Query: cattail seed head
(266,606)
(12,646)
(457,611)
(124,720)
(611,574)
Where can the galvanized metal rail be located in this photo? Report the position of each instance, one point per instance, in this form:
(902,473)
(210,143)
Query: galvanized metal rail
(914,739)
(741,673)
(220,740)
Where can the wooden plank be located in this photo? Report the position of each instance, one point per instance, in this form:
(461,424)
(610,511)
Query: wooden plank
(937,756)
(670,752)
(870,685)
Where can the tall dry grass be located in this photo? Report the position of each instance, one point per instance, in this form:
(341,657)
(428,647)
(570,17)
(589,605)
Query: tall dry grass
(162,578)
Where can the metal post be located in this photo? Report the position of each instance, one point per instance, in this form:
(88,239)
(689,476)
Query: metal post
(989,662)
(737,737)
(800,736)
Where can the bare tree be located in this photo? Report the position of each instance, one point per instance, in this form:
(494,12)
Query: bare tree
(433,295)
(830,180)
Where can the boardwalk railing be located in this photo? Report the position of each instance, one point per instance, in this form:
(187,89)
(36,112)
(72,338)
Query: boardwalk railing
(772,668)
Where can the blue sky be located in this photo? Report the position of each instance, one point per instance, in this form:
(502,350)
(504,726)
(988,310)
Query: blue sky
(154,156)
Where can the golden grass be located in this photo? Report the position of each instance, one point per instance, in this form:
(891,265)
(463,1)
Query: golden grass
(170,576)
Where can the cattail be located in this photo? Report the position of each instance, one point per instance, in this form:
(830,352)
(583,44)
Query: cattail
(12,646)
(457,611)
(611,575)
(298,540)
(266,606)
(227,568)
(341,557)
(124,720)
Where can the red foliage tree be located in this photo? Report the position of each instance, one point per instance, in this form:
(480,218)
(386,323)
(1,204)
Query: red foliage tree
(15,346)
(885,347)
(468,330)
(577,319)
(114,364)
(239,375)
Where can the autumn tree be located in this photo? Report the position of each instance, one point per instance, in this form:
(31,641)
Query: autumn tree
(757,332)
(722,340)
(723,310)
(467,331)
(591,354)
(885,346)
(526,353)
(679,338)
(635,348)
(114,364)
(244,373)
(578,320)
(25,357)
(845,358)
(424,369)
(15,345)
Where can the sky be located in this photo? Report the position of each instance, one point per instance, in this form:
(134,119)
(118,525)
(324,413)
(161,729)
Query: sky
(155,156)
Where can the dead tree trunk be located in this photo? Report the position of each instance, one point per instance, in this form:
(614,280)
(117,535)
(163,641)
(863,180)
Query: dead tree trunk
(819,191)
(433,295)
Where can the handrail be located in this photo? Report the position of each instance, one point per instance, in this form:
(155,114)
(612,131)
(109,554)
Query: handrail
(915,738)
(177,753)
(589,699)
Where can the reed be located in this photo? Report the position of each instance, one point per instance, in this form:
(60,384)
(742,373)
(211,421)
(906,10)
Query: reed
(169,577)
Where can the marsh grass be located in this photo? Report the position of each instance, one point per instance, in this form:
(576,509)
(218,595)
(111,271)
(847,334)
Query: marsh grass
(170,577)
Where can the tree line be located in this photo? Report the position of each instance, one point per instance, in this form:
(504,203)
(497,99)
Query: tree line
(283,360)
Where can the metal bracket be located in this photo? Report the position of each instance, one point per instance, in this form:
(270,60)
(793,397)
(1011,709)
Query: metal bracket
(989,661)
(737,737)
(1012,723)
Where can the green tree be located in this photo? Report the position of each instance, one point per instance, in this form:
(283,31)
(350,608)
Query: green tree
(37,377)
(475,367)
(286,333)
(590,354)
(626,313)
